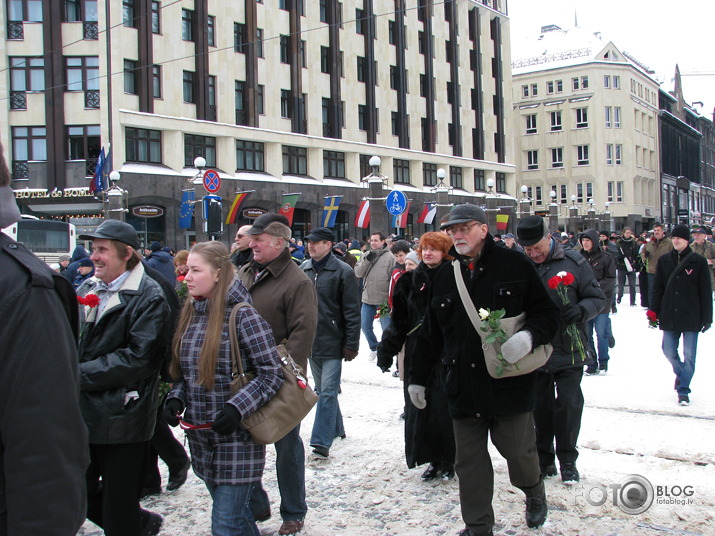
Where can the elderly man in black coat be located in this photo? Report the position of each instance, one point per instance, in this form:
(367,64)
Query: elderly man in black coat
(559,404)
(481,406)
(682,300)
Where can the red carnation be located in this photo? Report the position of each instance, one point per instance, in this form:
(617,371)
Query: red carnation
(652,317)
(554,282)
(90,300)
(568,279)
(180,279)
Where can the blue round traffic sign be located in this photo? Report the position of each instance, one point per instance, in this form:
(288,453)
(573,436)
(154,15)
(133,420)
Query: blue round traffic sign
(396,202)
(212,182)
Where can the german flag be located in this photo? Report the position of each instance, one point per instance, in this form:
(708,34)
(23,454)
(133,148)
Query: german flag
(233,211)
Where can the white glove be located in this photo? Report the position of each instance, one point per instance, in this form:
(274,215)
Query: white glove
(517,346)
(417,395)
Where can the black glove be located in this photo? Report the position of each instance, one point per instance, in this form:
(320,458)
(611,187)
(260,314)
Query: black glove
(571,313)
(384,361)
(371,256)
(705,328)
(226,421)
(172,409)
(646,253)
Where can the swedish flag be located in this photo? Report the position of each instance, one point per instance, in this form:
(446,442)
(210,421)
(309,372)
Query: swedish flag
(330,210)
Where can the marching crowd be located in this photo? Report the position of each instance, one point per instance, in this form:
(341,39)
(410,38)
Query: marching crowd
(93,377)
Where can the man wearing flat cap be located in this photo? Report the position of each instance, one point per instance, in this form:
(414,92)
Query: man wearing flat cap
(703,247)
(121,350)
(481,406)
(337,337)
(682,302)
(286,298)
(559,402)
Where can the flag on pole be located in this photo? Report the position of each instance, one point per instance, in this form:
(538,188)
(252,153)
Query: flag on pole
(330,210)
(232,216)
(428,213)
(186,211)
(288,206)
(400,221)
(502,221)
(97,182)
(362,219)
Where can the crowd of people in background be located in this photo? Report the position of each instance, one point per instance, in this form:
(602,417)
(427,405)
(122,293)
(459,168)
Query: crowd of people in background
(150,339)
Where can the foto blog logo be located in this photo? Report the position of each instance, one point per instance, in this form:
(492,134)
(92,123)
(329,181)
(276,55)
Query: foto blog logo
(633,495)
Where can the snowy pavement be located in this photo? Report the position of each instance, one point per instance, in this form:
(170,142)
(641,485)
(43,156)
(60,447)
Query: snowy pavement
(632,425)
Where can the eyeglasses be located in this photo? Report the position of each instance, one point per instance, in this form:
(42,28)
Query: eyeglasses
(462,229)
(187,426)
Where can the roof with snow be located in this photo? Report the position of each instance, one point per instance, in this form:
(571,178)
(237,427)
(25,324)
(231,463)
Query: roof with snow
(556,48)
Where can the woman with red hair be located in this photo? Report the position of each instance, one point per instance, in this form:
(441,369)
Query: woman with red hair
(428,432)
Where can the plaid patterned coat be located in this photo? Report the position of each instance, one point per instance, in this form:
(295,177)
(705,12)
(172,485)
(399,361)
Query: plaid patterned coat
(234,458)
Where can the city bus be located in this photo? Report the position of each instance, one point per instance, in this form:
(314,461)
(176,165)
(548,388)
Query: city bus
(48,239)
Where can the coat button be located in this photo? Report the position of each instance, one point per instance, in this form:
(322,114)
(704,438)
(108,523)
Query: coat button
(473,365)
(508,292)
(478,415)
(12,246)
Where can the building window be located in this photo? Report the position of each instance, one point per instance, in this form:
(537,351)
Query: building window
(619,192)
(361,68)
(129,13)
(27,74)
(393,77)
(156,17)
(532,160)
(611,187)
(260,92)
(531,124)
(455,177)
(187,25)
(240,43)
(259,42)
(616,82)
(614,154)
(579,192)
(581,117)
(609,153)
(199,146)
(130,77)
(28,143)
(285,48)
(501,182)
(80,10)
(239,102)
(285,104)
(559,86)
(617,116)
(534,90)
(395,123)
(525,91)
(537,195)
(143,145)
(557,157)
(295,160)
(479,182)
(360,21)
(556,121)
(429,174)
(303,54)
(212,98)
(156,81)
(82,73)
(391,32)
(576,83)
(250,156)
(211,30)
(618,152)
(362,117)
(584,82)
(563,194)
(334,164)
(401,171)
(582,155)
(24,10)
(83,143)
(607,81)
(550,87)
(189,85)
(609,114)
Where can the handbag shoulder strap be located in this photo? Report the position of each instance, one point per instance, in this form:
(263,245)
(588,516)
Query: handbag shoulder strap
(680,266)
(236,363)
(464,295)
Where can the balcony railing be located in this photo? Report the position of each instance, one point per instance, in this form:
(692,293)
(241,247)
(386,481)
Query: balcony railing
(19,169)
(91,166)
(15,30)
(18,100)
(91,30)
(211,113)
(241,117)
(91,98)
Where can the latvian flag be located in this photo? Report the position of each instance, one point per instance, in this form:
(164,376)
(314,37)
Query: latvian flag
(428,213)
(362,220)
(400,221)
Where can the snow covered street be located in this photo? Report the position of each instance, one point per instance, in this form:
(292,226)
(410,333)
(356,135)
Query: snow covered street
(632,425)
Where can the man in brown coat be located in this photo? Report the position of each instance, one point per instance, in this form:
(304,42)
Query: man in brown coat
(286,298)
(654,249)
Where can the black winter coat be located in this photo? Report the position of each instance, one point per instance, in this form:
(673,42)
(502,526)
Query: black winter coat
(43,440)
(121,352)
(163,263)
(627,249)
(338,308)
(687,304)
(502,278)
(429,435)
(603,266)
(584,292)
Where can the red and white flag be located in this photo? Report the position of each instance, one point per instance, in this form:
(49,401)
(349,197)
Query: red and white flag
(428,213)
(362,220)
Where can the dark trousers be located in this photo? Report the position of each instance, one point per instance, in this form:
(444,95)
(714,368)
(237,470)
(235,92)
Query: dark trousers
(165,446)
(631,276)
(643,287)
(113,504)
(559,406)
(513,436)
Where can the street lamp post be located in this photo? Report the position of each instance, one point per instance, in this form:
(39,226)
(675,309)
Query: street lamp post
(553,212)
(591,218)
(607,220)
(573,215)
(524,202)
(376,182)
(492,200)
(117,199)
(442,191)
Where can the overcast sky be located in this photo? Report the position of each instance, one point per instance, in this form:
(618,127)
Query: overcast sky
(657,33)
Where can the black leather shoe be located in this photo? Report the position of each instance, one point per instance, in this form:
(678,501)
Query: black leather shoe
(430,473)
(152,524)
(264,516)
(536,510)
(548,470)
(177,479)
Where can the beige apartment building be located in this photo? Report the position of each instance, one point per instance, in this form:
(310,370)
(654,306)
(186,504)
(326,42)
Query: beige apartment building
(278,96)
(585,119)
